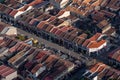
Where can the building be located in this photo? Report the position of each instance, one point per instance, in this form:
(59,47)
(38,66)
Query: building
(10,31)
(95,45)
(114,58)
(7,73)
(101,71)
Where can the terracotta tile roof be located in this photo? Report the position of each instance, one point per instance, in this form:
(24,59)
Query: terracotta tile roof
(93,41)
(61,29)
(110,31)
(62,34)
(49,28)
(2,26)
(5,7)
(28,65)
(102,24)
(41,54)
(48,78)
(41,24)
(72,37)
(51,18)
(118,58)
(94,68)
(86,1)
(1,41)
(99,68)
(86,43)
(54,29)
(60,13)
(76,39)
(68,64)
(58,32)
(103,71)
(58,71)
(102,74)
(98,16)
(8,10)
(83,35)
(95,37)
(8,73)
(36,68)
(96,44)
(46,17)
(97,3)
(50,58)
(45,26)
(35,2)
(112,5)
(57,22)
(23,8)
(114,76)
(109,73)
(50,61)
(16,57)
(2,8)
(13,13)
(6,42)
(108,14)
(81,40)
(66,36)
(65,28)
(115,54)
(12,49)
(5,71)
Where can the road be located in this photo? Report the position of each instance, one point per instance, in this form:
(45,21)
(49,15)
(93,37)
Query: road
(77,56)
(52,45)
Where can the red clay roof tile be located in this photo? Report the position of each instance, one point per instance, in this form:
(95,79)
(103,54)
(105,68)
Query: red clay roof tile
(13,13)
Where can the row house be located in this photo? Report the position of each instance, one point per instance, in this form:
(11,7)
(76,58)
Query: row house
(11,8)
(112,5)
(114,58)
(15,9)
(53,28)
(25,1)
(52,20)
(2,26)
(84,7)
(101,22)
(95,45)
(105,15)
(38,63)
(4,11)
(60,3)
(67,36)
(101,71)
(7,73)
(10,47)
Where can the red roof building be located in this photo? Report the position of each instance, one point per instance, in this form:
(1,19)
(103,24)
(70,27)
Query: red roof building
(7,73)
